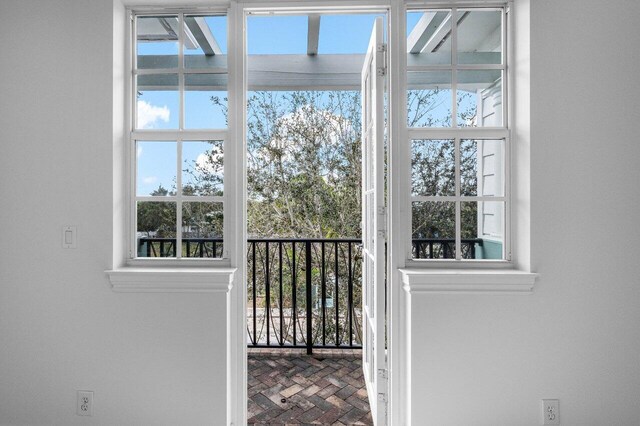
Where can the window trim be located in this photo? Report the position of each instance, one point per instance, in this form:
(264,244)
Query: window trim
(398,300)
(133,135)
(171,280)
(426,280)
(459,133)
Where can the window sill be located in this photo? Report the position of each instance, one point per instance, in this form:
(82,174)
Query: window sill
(171,280)
(424,280)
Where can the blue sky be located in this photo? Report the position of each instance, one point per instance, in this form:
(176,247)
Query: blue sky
(339,34)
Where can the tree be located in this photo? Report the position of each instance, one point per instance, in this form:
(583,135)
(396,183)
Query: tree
(304,170)
(204,176)
(433,171)
(304,164)
(157,217)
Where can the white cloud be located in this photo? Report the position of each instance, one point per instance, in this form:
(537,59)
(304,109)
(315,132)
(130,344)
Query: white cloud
(149,115)
(139,153)
(149,179)
(334,130)
(203,163)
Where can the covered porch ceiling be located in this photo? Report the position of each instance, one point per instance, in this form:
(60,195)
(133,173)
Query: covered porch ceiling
(429,42)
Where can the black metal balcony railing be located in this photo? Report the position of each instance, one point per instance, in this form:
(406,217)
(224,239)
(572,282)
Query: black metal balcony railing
(423,248)
(444,248)
(191,247)
(303,293)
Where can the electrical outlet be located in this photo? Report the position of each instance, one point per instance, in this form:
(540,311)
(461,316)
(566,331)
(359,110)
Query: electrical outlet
(550,412)
(85,403)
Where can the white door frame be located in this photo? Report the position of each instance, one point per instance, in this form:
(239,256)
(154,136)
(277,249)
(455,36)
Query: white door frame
(398,403)
(236,297)
(398,163)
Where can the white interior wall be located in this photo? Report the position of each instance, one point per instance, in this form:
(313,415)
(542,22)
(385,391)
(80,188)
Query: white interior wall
(489,359)
(150,358)
(160,358)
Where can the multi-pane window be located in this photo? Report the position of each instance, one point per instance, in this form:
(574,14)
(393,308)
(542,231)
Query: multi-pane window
(458,134)
(179,129)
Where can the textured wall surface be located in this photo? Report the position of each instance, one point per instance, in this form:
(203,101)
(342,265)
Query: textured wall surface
(150,358)
(490,359)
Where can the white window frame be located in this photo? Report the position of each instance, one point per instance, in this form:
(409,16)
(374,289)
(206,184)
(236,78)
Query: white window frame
(401,281)
(457,134)
(178,136)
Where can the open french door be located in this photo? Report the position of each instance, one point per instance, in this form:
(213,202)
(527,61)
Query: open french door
(373,229)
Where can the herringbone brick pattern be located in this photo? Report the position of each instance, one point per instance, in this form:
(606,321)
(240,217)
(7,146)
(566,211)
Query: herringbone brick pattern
(292,388)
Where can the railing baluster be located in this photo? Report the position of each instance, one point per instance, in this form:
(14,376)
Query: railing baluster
(335,297)
(294,315)
(280,294)
(350,298)
(308,289)
(253,292)
(324,295)
(267,291)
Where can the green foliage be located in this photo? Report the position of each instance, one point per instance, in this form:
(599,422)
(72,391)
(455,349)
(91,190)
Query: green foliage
(304,170)
(205,177)
(157,217)
(202,220)
(433,170)
(304,164)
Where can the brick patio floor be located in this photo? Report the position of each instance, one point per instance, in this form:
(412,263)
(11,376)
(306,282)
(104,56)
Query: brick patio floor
(288,387)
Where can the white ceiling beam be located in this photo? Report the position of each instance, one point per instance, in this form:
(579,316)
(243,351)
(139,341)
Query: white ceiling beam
(443,30)
(313,34)
(201,32)
(301,72)
(423,31)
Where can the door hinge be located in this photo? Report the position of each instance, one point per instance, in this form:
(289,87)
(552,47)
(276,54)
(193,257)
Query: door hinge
(382,58)
(383,403)
(382,373)
(382,221)
(382,213)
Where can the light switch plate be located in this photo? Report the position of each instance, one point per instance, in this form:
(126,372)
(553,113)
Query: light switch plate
(69,237)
